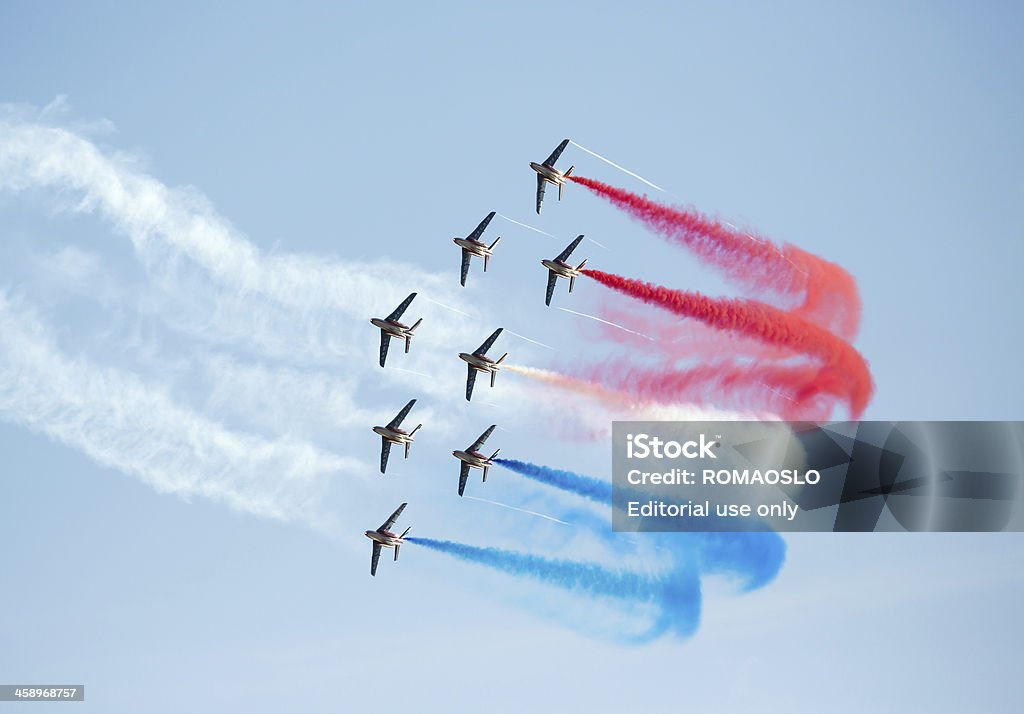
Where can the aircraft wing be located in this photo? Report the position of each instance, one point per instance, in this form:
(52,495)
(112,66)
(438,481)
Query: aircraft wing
(482,349)
(466,258)
(401,308)
(385,451)
(463,476)
(552,279)
(470,381)
(550,161)
(540,191)
(401,415)
(374,558)
(475,235)
(392,518)
(568,251)
(384,342)
(483,437)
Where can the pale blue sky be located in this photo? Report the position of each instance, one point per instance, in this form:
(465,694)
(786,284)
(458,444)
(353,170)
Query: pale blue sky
(884,137)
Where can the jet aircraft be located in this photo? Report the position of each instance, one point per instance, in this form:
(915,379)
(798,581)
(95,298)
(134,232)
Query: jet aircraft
(391,327)
(558,268)
(472,245)
(480,362)
(384,538)
(394,434)
(471,458)
(547,173)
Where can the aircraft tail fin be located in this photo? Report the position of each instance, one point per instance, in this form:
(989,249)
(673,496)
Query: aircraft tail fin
(568,171)
(405,532)
(494,454)
(493,376)
(491,246)
(572,282)
(502,358)
(485,474)
(415,325)
(487,261)
(582,265)
(418,427)
(408,445)
(396,552)
(408,343)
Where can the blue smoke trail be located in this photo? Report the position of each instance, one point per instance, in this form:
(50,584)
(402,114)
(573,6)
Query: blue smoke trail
(756,557)
(585,486)
(676,594)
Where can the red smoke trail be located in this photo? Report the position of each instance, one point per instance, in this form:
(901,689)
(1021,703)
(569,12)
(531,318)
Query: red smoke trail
(683,339)
(827,294)
(842,368)
(800,392)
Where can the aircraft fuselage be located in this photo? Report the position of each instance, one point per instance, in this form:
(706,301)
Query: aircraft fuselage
(474,459)
(395,436)
(473,247)
(391,328)
(550,173)
(386,539)
(562,270)
(480,363)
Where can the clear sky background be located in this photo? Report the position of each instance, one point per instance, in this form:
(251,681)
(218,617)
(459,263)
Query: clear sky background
(882,136)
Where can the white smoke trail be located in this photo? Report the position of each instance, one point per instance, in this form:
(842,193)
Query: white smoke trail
(612,163)
(516,508)
(549,235)
(409,371)
(210,283)
(525,225)
(283,305)
(541,344)
(449,307)
(122,422)
(606,322)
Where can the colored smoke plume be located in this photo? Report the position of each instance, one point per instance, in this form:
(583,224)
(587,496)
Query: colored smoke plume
(843,369)
(585,486)
(676,594)
(823,292)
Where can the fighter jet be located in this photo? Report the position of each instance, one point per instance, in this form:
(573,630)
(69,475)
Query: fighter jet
(392,434)
(391,327)
(472,245)
(479,362)
(471,458)
(383,538)
(547,173)
(558,268)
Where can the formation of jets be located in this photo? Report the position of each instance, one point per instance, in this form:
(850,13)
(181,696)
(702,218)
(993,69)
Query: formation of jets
(476,362)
